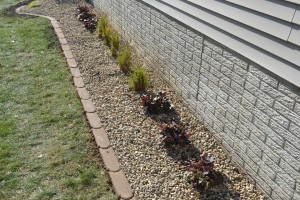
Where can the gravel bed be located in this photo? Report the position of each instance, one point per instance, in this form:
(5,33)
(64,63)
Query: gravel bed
(153,171)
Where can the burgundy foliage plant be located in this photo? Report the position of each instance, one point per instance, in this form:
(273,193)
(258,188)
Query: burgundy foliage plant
(174,134)
(158,104)
(202,173)
(88,18)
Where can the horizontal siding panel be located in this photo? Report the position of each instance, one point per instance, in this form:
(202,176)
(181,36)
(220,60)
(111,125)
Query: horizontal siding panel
(295,36)
(276,8)
(296,19)
(276,65)
(275,46)
(294,1)
(249,17)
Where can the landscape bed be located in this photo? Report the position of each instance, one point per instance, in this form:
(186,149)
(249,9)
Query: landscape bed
(154,171)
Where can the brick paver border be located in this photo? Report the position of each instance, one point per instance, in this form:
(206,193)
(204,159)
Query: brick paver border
(117,176)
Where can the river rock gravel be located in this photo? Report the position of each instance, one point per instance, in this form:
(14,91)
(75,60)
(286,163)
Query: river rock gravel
(154,172)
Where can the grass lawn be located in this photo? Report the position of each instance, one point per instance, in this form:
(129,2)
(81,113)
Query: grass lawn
(46,150)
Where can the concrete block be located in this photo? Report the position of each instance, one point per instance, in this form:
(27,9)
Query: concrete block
(258,113)
(257,72)
(249,97)
(236,59)
(293,93)
(287,135)
(233,76)
(260,94)
(292,150)
(275,94)
(294,117)
(213,46)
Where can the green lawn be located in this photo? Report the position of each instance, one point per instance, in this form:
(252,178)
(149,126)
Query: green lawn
(46,149)
(7,3)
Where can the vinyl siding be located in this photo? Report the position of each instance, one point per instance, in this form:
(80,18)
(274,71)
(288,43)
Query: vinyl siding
(266,32)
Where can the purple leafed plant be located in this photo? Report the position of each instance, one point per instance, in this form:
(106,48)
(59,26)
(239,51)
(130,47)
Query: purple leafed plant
(88,18)
(202,173)
(82,8)
(158,104)
(174,134)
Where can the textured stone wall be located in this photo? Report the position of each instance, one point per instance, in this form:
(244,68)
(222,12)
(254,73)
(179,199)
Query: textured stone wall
(253,113)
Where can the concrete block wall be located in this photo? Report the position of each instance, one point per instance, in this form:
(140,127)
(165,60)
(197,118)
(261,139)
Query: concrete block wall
(253,113)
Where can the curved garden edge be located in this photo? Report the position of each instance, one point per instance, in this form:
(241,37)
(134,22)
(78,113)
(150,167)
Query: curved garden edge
(117,176)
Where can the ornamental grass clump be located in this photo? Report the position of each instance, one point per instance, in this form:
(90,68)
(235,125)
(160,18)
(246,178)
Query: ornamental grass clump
(114,43)
(102,25)
(138,79)
(34,4)
(124,60)
(107,35)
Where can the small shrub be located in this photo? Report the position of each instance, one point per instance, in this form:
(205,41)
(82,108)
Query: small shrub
(138,79)
(160,103)
(34,4)
(102,25)
(88,18)
(115,43)
(202,173)
(174,134)
(124,60)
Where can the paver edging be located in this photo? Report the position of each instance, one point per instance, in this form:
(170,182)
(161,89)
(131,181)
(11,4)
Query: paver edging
(101,138)
(75,72)
(88,105)
(119,181)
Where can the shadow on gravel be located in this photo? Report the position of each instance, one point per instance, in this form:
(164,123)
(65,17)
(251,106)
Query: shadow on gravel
(167,118)
(218,188)
(183,154)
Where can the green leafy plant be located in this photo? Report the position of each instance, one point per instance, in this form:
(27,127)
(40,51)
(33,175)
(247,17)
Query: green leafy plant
(159,104)
(174,134)
(115,43)
(124,60)
(202,176)
(34,4)
(138,79)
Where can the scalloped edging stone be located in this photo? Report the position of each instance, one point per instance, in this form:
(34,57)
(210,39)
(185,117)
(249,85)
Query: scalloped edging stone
(119,181)
(75,72)
(78,82)
(121,185)
(83,93)
(101,138)
(110,160)
(72,63)
(88,105)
